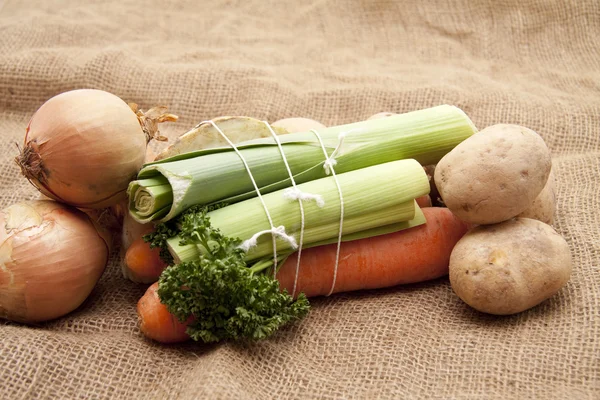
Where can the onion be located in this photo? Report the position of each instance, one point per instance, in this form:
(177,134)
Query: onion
(51,257)
(83,147)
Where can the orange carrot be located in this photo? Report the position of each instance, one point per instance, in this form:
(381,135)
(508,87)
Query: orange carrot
(424,201)
(156,322)
(143,263)
(414,255)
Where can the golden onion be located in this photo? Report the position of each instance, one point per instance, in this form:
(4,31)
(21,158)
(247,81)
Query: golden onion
(51,257)
(82,147)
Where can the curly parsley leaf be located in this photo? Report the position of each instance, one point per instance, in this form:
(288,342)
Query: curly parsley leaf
(165,230)
(226,299)
(158,238)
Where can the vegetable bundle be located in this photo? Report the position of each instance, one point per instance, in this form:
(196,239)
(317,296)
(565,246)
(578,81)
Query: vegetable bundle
(224,258)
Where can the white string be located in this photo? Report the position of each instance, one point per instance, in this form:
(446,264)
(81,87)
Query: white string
(295,194)
(328,165)
(279,231)
(330,161)
(274,231)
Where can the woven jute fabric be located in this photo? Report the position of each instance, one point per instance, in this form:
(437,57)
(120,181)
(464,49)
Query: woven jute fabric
(529,62)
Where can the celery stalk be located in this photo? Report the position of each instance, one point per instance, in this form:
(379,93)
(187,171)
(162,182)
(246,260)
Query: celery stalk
(218,175)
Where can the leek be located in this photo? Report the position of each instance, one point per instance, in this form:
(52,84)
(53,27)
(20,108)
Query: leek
(377,200)
(166,188)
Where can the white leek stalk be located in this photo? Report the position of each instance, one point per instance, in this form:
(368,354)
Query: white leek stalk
(377,200)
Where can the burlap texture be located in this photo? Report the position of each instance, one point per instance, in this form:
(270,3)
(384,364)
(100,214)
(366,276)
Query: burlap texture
(531,62)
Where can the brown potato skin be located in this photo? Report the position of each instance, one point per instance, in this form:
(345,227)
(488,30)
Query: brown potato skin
(509,267)
(544,205)
(494,175)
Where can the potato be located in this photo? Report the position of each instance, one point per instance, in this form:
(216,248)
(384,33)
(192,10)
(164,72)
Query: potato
(544,205)
(298,124)
(381,115)
(494,175)
(509,267)
(436,201)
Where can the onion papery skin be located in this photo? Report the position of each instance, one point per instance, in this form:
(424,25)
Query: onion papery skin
(51,257)
(83,147)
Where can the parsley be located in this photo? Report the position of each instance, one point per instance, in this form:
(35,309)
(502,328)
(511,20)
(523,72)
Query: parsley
(227,299)
(159,237)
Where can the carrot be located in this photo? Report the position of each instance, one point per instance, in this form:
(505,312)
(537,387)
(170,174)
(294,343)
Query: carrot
(156,322)
(414,255)
(143,263)
(424,201)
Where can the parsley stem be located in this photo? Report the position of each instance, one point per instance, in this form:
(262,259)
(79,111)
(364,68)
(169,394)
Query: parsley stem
(265,263)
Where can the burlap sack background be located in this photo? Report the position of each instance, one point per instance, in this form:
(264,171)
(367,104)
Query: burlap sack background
(530,62)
